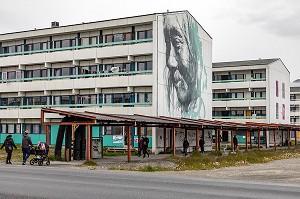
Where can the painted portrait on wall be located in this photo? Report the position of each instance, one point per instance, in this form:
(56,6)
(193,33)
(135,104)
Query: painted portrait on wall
(184,74)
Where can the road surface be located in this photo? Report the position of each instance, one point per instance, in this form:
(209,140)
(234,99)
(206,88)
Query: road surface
(17,181)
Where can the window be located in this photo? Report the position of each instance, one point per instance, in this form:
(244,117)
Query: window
(68,99)
(19,48)
(93,40)
(277,111)
(108,38)
(28,47)
(39,100)
(85,41)
(108,98)
(65,43)
(10,128)
(36,46)
(118,37)
(3,101)
(127,36)
(277,90)
(237,76)
(57,44)
(5,49)
(260,112)
(259,75)
(144,66)
(11,75)
(36,129)
(113,130)
(4,128)
(144,97)
(144,34)
(237,113)
(117,98)
(87,99)
(283,90)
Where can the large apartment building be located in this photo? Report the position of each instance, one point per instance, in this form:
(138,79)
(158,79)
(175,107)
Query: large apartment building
(156,64)
(251,91)
(295,102)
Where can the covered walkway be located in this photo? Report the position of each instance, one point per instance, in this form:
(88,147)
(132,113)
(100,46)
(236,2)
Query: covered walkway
(89,119)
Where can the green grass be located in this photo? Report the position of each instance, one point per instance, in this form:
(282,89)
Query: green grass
(215,160)
(89,163)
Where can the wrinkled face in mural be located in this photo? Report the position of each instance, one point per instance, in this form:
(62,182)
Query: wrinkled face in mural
(181,61)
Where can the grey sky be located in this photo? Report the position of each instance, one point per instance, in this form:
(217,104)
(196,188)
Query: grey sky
(241,29)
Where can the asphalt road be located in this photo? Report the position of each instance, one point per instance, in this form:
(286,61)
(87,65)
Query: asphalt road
(46,182)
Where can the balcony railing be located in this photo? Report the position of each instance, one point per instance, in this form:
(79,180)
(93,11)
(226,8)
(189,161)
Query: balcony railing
(99,74)
(239,117)
(231,99)
(239,80)
(79,105)
(78,47)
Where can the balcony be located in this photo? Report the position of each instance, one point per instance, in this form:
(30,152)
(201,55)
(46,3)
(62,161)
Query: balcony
(78,47)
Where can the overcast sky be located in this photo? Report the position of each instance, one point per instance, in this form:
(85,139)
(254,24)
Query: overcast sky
(241,29)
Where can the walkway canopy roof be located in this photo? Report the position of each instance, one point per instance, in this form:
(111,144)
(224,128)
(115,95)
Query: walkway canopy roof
(151,121)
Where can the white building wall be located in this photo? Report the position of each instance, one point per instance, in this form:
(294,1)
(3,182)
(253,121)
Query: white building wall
(278,72)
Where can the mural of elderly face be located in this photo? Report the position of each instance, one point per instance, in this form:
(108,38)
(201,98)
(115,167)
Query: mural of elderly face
(183,64)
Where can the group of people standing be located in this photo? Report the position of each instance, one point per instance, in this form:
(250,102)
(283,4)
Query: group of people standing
(186,145)
(9,144)
(143,146)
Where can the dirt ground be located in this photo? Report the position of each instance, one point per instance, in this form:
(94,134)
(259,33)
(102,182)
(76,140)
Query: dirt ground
(279,171)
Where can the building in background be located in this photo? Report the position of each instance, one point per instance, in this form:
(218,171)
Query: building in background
(295,104)
(251,91)
(156,64)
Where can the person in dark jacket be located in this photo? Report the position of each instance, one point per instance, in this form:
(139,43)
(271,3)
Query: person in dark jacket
(26,143)
(145,146)
(186,145)
(140,147)
(9,145)
(201,143)
(235,143)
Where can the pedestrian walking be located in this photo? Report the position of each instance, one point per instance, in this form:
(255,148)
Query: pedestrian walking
(26,144)
(140,147)
(145,147)
(9,145)
(201,143)
(235,143)
(186,145)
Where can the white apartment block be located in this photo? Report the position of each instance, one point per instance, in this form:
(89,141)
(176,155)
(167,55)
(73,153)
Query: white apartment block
(251,91)
(295,102)
(145,64)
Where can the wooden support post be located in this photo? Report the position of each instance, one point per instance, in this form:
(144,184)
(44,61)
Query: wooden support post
(173,140)
(246,140)
(139,138)
(216,139)
(128,143)
(197,139)
(219,140)
(258,140)
(281,137)
(165,140)
(250,140)
(295,138)
(88,143)
(48,135)
(231,141)
(274,139)
(289,138)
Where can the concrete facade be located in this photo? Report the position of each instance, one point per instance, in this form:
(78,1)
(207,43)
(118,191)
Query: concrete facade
(123,66)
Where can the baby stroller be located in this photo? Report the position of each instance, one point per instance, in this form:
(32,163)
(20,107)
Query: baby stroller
(40,155)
